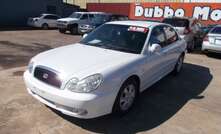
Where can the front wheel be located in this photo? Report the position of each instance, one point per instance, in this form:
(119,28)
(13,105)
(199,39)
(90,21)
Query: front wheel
(74,30)
(62,30)
(126,97)
(179,65)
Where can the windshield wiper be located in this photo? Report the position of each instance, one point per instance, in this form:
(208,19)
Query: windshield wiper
(121,49)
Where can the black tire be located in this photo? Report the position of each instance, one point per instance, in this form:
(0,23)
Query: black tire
(45,26)
(62,30)
(191,46)
(74,30)
(117,109)
(205,52)
(179,65)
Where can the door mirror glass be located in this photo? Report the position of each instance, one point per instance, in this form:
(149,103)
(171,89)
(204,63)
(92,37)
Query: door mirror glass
(85,35)
(154,48)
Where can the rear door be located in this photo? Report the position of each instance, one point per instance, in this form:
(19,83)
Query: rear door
(171,49)
(51,20)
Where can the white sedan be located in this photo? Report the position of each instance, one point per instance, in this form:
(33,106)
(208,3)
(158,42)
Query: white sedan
(107,69)
(212,42)
(44,21)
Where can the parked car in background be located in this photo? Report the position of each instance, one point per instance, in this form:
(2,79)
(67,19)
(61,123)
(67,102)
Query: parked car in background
(98,20)
(107,69)
(44,21)
(206,29)
(188,28)
(212,41)
(72,22)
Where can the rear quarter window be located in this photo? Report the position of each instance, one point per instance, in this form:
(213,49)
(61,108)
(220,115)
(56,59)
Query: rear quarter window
(171,35)
(216,30)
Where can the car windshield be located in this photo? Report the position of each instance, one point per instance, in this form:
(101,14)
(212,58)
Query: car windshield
(123,38)
(75,15)
(216,30)
(177,22)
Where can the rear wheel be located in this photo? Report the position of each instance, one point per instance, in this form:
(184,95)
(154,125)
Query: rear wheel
(45,26)
(191,46)
(126,97)
(179,65)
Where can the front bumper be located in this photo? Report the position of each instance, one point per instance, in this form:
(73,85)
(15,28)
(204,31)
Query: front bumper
(206,46)
(84,30)
(33,24)
(80,105)
(62,26)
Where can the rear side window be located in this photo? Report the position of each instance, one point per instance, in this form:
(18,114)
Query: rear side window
(52,17)
(171,35)
(177,22)
(216,30)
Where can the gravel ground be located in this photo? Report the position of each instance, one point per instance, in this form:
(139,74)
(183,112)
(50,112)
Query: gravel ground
(186,104)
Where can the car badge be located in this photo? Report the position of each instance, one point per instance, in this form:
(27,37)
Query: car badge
(45,75)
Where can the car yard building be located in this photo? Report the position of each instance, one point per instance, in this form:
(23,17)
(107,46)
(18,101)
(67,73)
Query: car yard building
(83,3)
(206,11)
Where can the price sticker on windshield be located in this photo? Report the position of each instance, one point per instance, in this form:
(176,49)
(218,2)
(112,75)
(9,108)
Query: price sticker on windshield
(138,29)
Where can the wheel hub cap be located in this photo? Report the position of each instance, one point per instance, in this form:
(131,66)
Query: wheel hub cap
(127,97)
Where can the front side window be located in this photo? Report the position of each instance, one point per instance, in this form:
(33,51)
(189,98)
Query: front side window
(75,15)
(84,17)
(157,36)
(91,16)
(123,38)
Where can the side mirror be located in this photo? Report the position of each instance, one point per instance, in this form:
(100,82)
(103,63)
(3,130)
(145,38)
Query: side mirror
(85,35)
(154,48)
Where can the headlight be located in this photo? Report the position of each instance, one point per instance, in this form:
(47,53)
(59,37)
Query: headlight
(85,85)
(30,67)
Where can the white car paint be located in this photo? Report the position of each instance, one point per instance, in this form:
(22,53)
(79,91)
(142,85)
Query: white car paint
(79,60)
(43,19)
(212,41)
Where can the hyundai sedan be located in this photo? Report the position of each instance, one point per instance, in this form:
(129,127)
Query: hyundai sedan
(107,69)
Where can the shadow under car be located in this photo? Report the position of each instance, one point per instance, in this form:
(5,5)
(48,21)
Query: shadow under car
(155,106)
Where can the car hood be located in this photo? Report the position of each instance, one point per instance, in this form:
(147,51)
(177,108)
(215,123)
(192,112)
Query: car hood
(68,19)
(82,59)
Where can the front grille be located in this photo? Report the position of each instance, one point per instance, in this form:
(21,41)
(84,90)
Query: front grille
(47,76)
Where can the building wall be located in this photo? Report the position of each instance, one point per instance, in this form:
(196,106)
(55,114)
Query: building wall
(16,12)
(82,3)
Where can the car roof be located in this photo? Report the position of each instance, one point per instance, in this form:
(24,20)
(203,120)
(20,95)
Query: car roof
(188,18)
(135,23)
(91,12)
(49,14)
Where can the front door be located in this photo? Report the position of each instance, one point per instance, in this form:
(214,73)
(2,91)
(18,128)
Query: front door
(154,66)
